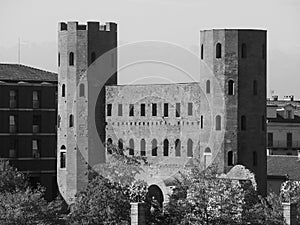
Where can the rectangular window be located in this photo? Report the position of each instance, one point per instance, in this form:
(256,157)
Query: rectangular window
(62,159)
(177,112)
(143,107)
(120,110)
(166,109)
(289,140)
(36,123)
(13,148)
(131,110)
(154,109)
(270,139)
(12,124)
(35,149)
(35,99)
(12,98)
(108,108)
(201,122)
(190,109)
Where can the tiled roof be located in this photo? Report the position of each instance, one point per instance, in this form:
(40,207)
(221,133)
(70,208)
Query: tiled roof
(283,165)
(16,72)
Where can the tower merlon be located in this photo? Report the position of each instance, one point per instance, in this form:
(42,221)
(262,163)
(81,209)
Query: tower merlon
(95,26)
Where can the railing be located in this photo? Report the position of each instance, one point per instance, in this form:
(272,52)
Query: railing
(284,144)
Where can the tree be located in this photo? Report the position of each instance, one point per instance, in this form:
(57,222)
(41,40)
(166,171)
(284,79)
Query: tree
(111,188)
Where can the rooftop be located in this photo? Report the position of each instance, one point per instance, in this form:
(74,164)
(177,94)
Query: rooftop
(283,165)
(16,72)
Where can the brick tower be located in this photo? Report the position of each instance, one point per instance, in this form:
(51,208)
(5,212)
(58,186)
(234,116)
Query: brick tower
(233,75)
(87,60)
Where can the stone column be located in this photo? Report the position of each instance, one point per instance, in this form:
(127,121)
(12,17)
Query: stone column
(138,213)
(289,213)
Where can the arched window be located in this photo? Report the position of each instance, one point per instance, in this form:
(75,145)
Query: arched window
(254,87)
(71,59)
(63,90)
(63,156)
(177,147)
(218,51)
(120,144)
(143,147)
(207,86)
(190,148)
(230,87)
(207,157)
(58,60)
(108,147)
(202,52)
(154,147)
(81,90)
(166,147)
(71,120)
(218,122)
(254,158)
(244,51)
(243,123)
(230,159)
(93,57)
(131,147)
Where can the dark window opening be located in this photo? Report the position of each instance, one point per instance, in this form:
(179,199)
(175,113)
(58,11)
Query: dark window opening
(154,147)
(154,109)
(177,147)
(120,144)
(71,121)
(166,147)
(131,110)
(208,87)
(71,59)
(63,90)
(201,122)
(190,148)
(254,158)
(202,52)
(81,90)
(120,110)
(143,109)
(244,51)
(166,109)
(131,147)
(270,139)
(243,123)
(58,60)
(218,51)
(62,160)
(143,147)
(109,108)
(230,160)
(254,87)
(289,140)
(177,110)
(218,122)
(190,109)
(231,87)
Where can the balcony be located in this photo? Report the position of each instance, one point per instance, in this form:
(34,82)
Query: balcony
(284,144)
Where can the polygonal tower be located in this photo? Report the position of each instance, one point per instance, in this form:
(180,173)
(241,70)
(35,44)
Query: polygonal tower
(87,60)
(233,75)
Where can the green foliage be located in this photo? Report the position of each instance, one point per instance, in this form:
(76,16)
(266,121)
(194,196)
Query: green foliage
(202,197)
(10,178)
(20,204)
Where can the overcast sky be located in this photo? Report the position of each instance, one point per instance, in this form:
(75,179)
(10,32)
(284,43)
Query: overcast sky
(175,21)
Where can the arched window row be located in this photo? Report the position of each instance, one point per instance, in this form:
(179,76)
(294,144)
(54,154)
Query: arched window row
(154,147)
(157,123)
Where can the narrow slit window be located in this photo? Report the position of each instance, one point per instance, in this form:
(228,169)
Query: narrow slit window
(177,148)
(243,123)
(71,59)
(154,147)
(143,109)
(131,147)
(244,51)
(190,109)
(208,87)
(81,90)
(190,148)
(218,51)
(218,122)
(230,159)
(177,113)
(231,87)
(166,109)
(131,110)
(71,120)
(154,109)
(109,108)
(63,90)
(202,52)
(166,147)
(120,110)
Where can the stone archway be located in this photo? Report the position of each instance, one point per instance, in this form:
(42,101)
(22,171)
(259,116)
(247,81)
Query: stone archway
(154,192)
